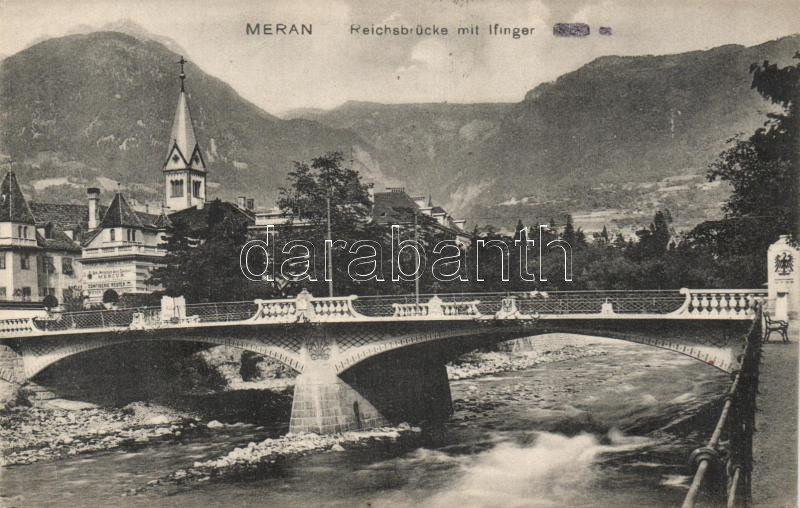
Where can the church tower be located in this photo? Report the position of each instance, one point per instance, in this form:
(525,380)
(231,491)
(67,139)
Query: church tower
(184,170)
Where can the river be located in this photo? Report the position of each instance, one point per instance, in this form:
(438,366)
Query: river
(613,429)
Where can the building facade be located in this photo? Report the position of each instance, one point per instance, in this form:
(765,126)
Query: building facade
(78,252)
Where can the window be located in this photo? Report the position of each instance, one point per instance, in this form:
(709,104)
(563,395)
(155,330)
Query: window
(3,294)
(47,291)
(66,266)
(176,188)
(19,231)
(25,262)
(112,235)
(47,265)
(26,293)
(25,232)
(2,260)
(131,235)
(196,188)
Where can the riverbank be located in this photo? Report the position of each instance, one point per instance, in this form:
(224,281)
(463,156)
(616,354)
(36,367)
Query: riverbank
(61,428)
(53,429)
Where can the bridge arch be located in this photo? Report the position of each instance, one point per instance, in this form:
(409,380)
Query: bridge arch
(37,357)
(722,355)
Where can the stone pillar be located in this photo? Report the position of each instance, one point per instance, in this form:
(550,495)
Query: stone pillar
(324,404)
(783,280)
(11,375)
(406,385)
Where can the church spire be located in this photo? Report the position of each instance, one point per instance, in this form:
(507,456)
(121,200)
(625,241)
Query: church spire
(184,169)
(184,152)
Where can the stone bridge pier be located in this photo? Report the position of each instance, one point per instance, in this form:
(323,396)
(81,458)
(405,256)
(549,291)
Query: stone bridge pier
(400,378)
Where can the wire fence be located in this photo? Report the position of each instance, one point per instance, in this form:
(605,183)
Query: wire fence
(127,317)
(722,468)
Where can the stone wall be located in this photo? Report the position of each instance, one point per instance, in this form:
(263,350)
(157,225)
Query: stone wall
(11,375)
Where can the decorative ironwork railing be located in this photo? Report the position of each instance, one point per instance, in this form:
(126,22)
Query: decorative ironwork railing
(722,468)
(660,304)
(17,326)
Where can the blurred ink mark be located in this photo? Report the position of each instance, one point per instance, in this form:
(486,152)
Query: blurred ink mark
(570,29)
(605,30)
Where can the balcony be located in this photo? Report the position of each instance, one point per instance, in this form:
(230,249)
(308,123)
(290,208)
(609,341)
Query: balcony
(123,249)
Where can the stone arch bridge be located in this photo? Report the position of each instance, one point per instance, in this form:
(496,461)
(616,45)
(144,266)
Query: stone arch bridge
(367,361)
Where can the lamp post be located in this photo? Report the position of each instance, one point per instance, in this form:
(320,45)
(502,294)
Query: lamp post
(416,242)
(329,243)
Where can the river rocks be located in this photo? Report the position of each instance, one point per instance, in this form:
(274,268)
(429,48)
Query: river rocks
(483,364)
(214,424)
(158,420)
(31,434)
(273,450)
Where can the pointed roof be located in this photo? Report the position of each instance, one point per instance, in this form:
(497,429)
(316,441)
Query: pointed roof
(120,213)
(184,152)
(162,221)
(182,128)
(13,207)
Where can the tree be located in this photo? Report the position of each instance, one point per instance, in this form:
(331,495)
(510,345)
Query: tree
(321,189)
(50,302)
(653,241)
(602,237)
(325,179)
(762,170)
(569,234)
(176,273)
(203,265)
(110,297)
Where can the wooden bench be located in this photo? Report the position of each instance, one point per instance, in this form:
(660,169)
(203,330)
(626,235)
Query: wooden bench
(773,325)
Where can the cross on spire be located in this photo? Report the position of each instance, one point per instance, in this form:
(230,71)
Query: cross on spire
(182,74)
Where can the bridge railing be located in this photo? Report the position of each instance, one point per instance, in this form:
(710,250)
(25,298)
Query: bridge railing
(722,468)
(700,303)
(145,317)
(88,319)
(720,302)
(531,302)
(684,303)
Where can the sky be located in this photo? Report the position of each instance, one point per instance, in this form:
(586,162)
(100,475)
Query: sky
(332,66)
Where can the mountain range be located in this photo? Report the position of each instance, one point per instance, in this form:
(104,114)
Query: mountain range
(97,107)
